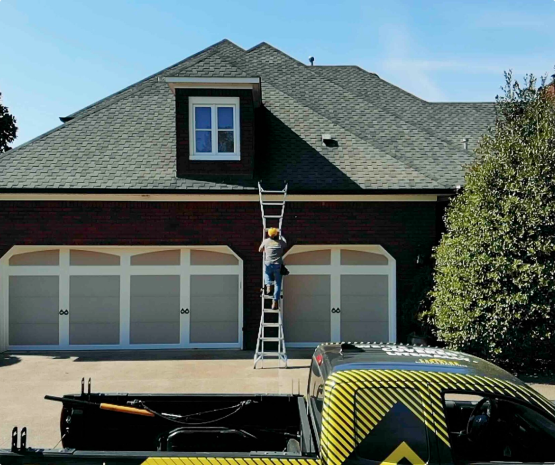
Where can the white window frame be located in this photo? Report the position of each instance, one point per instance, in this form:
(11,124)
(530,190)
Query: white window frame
(214,103)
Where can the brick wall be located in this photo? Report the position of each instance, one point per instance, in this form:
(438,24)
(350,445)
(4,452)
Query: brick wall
(244,167)
(404,229)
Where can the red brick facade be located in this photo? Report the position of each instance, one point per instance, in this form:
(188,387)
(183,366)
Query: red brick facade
(404,229)
(243,168)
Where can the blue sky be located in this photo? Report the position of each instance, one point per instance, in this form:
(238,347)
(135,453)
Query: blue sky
(58,56)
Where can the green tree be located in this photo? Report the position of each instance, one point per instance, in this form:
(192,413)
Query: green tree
(494,279)
(8,129)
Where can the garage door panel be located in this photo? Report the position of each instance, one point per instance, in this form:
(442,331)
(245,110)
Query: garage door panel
(155,309)
(94,310)
(308,284)
(377,331)
(34,286)
(41,258)
(214,308)
(307,308)
(204,308)
(312,308)
(155,305)
(317,332)
(41,310)
(154,333)
(214,332)
(364,308)
(33,310)
(93,333)
(34,334)
(368,285)
(205,257)
(210,285)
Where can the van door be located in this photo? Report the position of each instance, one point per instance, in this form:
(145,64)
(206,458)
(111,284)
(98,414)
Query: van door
(389,425)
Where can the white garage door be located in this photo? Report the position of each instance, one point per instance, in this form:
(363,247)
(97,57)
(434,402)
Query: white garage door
(339,294)
(122,298)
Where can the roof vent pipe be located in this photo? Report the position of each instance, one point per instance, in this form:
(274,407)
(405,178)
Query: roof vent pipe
(311,59)
(465,143)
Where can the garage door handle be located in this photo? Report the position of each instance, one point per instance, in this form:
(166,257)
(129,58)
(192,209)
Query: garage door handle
(185,311)
(64,312)
(335,310)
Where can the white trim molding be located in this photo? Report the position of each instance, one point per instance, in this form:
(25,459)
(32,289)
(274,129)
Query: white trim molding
(187,197)
(213,80)
(214,103)
(249,83)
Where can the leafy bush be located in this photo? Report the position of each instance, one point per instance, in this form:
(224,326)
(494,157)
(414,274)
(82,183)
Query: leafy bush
(494,280)
(8,129)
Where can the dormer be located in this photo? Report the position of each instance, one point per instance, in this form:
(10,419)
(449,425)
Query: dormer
(215,125)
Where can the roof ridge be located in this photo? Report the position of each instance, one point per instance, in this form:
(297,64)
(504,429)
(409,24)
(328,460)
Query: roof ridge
(270,46)
(366,103)
(462,103)
(348,131)
(349,66)
(210,48)
(429,131)
(387,152)
(141,85)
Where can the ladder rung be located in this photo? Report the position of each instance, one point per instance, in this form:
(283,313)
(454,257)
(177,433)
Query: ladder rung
(274,203)
(271,339)
(271,325)
(269,310)
(262,191)
(272,216)
(272,354)
(266,229)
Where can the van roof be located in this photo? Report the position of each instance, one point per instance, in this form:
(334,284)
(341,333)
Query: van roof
(335,357)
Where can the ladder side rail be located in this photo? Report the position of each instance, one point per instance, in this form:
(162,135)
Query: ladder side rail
(261,351)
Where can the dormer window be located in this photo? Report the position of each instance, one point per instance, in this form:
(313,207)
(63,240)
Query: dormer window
(214,128)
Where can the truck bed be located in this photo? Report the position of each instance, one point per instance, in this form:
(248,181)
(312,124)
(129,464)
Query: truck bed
(196,423)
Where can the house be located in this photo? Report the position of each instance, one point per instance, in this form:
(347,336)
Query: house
(136,223)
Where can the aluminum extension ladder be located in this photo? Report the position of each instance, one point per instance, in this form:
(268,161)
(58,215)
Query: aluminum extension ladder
(271,339)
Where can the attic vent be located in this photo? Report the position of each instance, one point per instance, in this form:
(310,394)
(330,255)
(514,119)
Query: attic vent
(465,143)
(328,140)
(311,59)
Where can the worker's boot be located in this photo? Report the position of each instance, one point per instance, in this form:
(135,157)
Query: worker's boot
(275,305)
(269,289)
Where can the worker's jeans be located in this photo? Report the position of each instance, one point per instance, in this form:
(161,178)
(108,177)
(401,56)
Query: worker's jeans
(272,275)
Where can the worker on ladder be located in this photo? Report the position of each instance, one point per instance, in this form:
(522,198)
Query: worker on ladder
(273,247)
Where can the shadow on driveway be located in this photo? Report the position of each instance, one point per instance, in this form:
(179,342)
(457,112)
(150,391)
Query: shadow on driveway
(146,355)
(7,360)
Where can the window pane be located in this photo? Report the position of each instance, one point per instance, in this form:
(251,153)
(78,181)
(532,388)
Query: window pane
(225,141)
(225,117)
(203,118)
(203,141)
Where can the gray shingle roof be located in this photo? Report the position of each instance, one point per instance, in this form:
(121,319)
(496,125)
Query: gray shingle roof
(387,138)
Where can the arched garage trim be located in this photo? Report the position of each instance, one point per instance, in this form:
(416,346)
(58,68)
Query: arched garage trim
(176,266)
(337,266)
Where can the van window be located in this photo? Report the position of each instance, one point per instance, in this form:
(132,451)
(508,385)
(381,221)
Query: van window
(489,428)
(386,427)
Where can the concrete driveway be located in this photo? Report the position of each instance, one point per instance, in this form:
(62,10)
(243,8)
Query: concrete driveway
(25,378)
